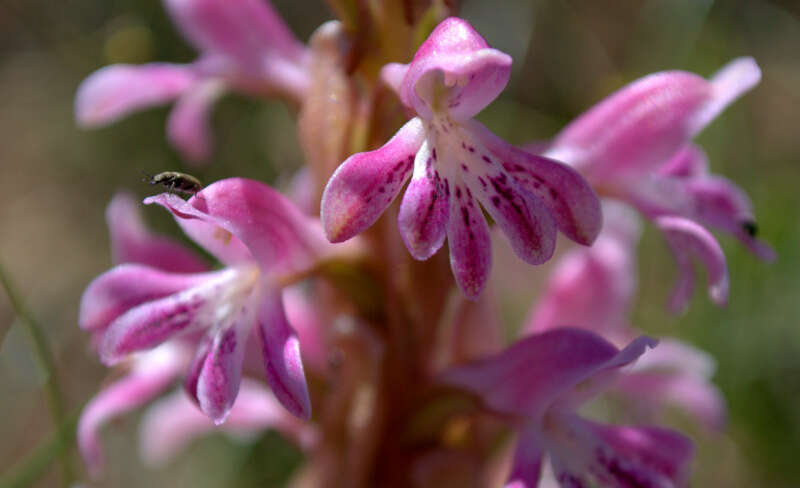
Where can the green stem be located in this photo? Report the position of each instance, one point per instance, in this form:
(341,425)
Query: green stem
(44,358)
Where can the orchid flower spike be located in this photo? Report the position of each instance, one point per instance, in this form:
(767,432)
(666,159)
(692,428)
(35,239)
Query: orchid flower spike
(457,165)
(636,146)
(262,239)
(540,382)
(244,46)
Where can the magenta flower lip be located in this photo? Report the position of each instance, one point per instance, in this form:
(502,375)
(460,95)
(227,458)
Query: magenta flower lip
(542,380)
(457,167)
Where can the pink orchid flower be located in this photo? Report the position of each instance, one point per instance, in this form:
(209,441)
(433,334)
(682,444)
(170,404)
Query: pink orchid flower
(261,238)
(245,46)
(636,146)
(540,382)
(595,288)
(456,164)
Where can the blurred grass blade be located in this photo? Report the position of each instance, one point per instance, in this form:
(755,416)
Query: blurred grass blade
(30,469)
(44,358)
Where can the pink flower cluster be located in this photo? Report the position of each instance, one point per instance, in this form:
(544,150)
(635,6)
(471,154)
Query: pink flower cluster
(167,313)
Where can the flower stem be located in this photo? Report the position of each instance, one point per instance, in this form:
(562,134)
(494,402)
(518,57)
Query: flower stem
(44,358)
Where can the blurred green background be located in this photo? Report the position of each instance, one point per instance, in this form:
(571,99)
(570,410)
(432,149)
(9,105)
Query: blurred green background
(55,181)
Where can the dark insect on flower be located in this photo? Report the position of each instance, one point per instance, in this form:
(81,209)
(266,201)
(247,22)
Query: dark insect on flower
(750,227)
(174,181)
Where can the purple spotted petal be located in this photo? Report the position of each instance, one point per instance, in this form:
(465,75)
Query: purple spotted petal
(688,240)
(132,242)
(221,372)
(529,376)
(366,183)
(524,219)
(188,125)
(152,374)
(571,201)
(469,242)
(150,324)
(425,208)
(646,122)
(642,456)
(240,220)
(526,468)
(281,352)
(248,31)
(453,70)
(118,290)
(115,91)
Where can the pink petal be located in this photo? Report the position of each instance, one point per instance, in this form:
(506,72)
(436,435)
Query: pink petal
(221,372)
(688,162)
(172,423)
(454,57)
(208,232)
(648,455)
(132,242)
(239,220)
(249,31)
(527,465)
(115,91)
(688,240)
(469,242)
(728,84)
(646,122)
(154,372)
(678,374)
(307,319)
(393,74)
(593,287)
(366,183)
(529,376)
(424,210)
(188,125)
(571,201)
(118,290)
(150,324)
(282,361)
(635,129)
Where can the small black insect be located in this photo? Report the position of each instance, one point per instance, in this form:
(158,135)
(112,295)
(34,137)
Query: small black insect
(750,227)
(174,181)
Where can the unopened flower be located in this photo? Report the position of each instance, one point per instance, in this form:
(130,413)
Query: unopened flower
(244,46)
(594,288)
(457,165)
(261,238)
(541,381)
(636,146)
